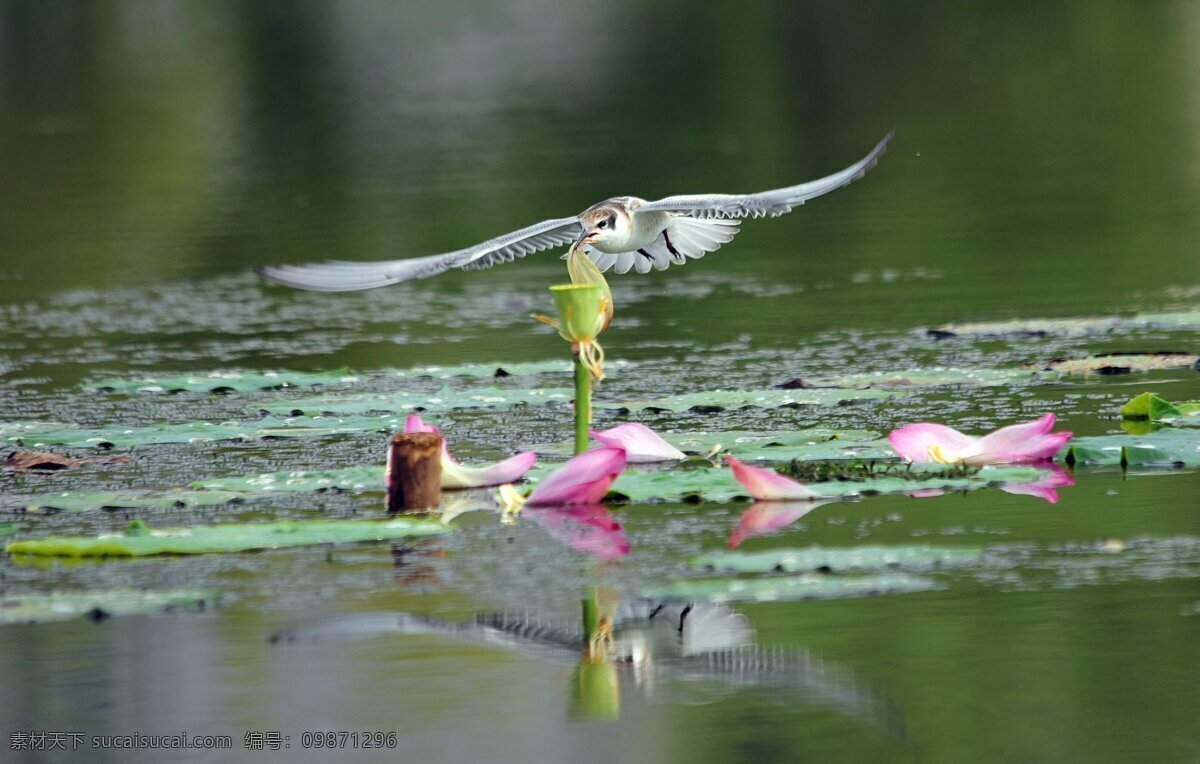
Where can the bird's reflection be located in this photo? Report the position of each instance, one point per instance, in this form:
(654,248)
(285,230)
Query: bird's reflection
(652,650)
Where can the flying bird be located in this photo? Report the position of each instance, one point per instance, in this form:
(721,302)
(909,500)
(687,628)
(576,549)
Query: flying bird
(622,233)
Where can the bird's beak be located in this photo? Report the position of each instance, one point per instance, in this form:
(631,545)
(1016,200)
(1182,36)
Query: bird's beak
(585,238)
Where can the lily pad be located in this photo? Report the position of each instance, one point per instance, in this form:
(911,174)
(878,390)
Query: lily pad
(502,369)
(719,400)
(1123,363)
(86,501)
(230,381)
(1069,327)
(63,606)
(352,479)
(9,529)
(140,540)
(788,445)
(1163,448)
(718,484)
(805,587)
(41,434)
(840,560)
(782,445)
(224,381)
(404,401)
(937,377)
(1149,406)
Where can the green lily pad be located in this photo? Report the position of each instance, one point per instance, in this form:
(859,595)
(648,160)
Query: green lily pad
(1074,326)
(501,369)
(40,434)
(841,560)
(354,479)
(405,401)
(719,400)
(788,445)
(1149,406)
(805,587)
(782,445)
(140,540)
(224,381)
(916,378)
(1162,448)
(86,501)
(9,529)
(1123,364)
(63,606)
(717,484)
(1069,327)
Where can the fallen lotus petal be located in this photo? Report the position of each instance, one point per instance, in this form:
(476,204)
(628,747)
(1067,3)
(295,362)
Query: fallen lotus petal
(1043,488)
(639,442)
(765,516)
(1025,442)
(455,475)
(585,479)
(767,484)
(591,529)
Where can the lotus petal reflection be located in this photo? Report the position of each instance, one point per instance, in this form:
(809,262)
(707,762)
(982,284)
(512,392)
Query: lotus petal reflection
(765,516)
(591,529)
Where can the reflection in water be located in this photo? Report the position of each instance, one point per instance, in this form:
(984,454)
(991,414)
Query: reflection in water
(765,516)
(668,651)
(590,529)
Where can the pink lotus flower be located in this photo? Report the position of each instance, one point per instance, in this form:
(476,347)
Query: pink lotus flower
(640,443)
(1025,442)
(455,475)
(765,516)
(769,485)
(591,529)
(583,480)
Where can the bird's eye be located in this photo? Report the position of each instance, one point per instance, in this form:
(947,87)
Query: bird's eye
(603,224)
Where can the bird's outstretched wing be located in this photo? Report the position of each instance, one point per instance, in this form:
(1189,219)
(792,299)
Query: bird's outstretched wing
(765,203)
(340,276)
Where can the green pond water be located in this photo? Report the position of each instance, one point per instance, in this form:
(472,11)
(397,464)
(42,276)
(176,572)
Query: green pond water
(1046,165)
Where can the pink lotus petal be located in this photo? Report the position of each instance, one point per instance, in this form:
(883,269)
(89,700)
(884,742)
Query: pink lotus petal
(414,424)
(1028,441)
(591,529)
(455,475)
(912,442)
(765,516)
(1045,487)
(768,484)
(583,480)
(641,444)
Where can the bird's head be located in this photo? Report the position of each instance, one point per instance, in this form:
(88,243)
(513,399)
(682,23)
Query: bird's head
(604,223)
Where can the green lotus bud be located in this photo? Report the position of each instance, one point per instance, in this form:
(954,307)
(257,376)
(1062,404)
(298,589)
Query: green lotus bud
(581,311)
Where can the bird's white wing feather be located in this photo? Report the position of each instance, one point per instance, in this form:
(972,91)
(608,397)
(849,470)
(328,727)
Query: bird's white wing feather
(766,203)
(684,237)
(340,276)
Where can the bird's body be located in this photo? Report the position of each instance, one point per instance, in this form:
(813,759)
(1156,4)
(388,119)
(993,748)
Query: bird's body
(622,233)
